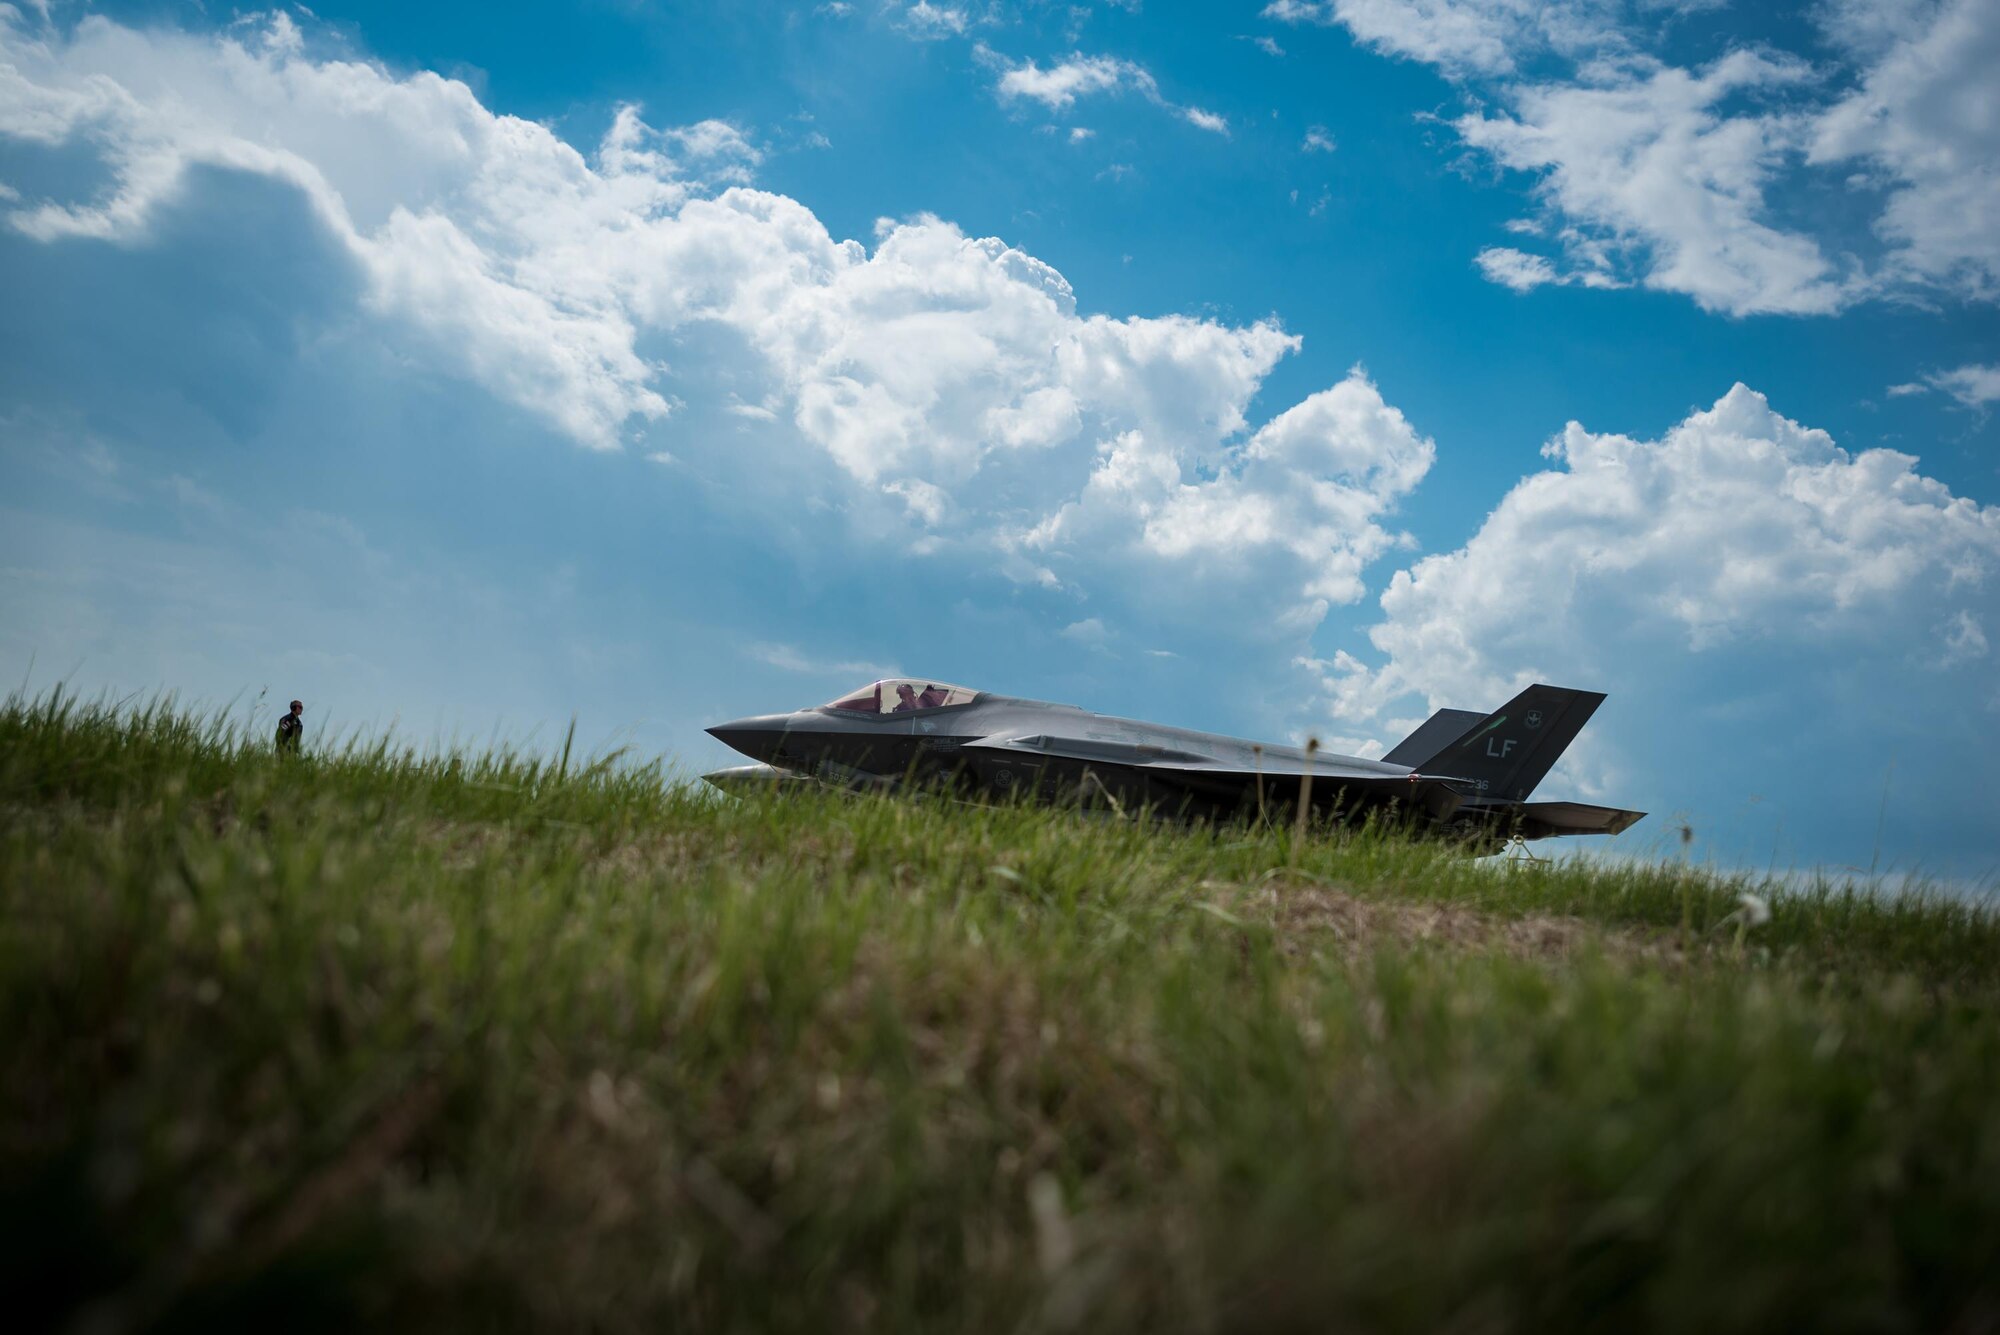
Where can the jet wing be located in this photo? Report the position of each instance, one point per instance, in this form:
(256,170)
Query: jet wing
(1196,771)
(1089,749)
(1146,756)
(1435,796)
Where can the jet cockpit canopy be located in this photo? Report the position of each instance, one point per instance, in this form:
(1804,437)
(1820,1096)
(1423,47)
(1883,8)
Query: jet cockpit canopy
(902,695)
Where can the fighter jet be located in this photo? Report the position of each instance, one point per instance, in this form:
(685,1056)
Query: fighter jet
(1463,775)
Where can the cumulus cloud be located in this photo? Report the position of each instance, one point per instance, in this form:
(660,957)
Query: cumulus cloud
(1741,547)
(467,224)
(558,282)
(711,150)
(1301,504)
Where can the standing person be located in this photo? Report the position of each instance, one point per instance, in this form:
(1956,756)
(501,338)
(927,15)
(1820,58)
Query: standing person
(290,729)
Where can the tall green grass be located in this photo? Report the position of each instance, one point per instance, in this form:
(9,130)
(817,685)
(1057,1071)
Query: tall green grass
(481,1039)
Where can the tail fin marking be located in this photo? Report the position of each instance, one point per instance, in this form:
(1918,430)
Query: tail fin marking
(1509,751)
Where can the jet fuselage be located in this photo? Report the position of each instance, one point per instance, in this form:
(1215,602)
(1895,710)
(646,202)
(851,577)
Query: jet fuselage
(1462,773)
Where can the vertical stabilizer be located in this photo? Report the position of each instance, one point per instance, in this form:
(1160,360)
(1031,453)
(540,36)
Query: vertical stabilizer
(1507,752)
(1437,732)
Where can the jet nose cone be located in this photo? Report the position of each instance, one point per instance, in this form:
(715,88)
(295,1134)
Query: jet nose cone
(757,737)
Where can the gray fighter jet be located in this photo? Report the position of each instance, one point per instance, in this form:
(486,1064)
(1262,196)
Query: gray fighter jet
(1462,775)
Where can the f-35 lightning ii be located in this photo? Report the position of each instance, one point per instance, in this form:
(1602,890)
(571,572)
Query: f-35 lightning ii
(1463,775)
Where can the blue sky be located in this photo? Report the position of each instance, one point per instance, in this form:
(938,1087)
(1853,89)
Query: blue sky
(1281,369)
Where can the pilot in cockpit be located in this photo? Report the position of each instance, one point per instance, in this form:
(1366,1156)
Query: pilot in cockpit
(906,699)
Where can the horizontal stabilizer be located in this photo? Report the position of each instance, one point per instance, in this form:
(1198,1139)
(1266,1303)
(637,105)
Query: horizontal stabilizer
(1579,818)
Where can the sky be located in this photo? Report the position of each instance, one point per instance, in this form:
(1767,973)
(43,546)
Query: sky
(1280,369)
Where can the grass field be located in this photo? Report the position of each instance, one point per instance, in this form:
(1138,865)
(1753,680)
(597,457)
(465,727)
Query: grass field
(484,1041)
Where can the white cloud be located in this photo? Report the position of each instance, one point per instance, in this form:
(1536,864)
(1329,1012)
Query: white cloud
(1652,169)
(924,19)
(1299,507)
(1907,388)
(473,227)
(1516,268)
(711,150)
(1926,120)
(926,501)
(1973,386)
(1868,28)
(1040,417)
(914,368)
(1484,36)
(1061,85)
(1317,140)
(1659,175)
(1204,120)
(1088,632)
(1964,639)
(1740,547)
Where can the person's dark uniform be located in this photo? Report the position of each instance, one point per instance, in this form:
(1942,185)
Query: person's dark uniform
(290,729)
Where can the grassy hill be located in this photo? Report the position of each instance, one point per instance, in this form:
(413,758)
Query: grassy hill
(480,1041)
